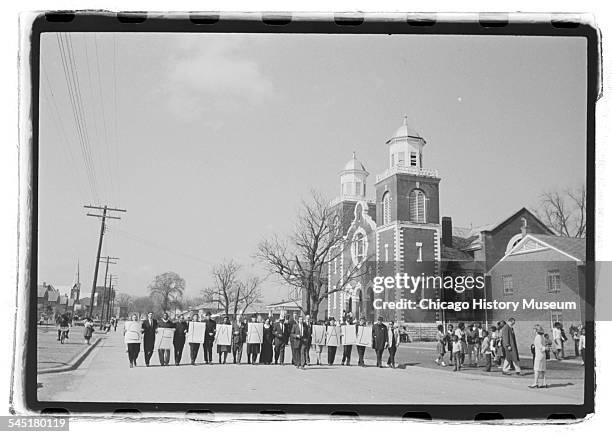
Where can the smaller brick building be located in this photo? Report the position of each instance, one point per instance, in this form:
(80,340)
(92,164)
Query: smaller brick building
(540,269)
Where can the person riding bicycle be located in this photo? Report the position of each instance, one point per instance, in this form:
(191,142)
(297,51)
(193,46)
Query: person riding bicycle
(64,326)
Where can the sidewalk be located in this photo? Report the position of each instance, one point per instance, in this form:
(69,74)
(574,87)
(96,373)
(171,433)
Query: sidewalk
(52,355)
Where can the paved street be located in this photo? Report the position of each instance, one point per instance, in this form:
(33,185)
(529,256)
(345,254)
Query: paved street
(105,376)
(51,353)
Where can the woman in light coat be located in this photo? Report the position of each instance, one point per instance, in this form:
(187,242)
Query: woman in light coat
(539,362)
(557,340)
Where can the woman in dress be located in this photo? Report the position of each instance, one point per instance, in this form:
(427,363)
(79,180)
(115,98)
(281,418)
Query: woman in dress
(460,333)
(557,340)
(88,329)
(441,338)
(266,346)
(223,350)
(539,362)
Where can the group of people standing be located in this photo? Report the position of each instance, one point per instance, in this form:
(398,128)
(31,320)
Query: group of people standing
(498,346)
(296,333)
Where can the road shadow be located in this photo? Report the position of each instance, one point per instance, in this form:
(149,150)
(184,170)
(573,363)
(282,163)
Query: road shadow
(564,384)
(404,365)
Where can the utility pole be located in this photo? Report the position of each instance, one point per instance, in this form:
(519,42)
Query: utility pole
(110,287)
(107,261)
(104,209)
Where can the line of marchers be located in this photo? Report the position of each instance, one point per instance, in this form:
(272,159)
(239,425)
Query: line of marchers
(478,304)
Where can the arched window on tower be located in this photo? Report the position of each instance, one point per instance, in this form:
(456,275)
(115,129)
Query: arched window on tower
(417,206)
(386,208)
(359,249)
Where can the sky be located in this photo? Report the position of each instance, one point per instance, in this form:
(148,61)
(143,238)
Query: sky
(211,141)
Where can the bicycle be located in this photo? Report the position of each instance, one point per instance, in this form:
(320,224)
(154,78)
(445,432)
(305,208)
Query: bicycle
(64,333)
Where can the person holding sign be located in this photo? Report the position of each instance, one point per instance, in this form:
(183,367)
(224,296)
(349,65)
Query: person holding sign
(132,335)
(333,340)
(149,329)
(254,338)
(380,339)
(163,352)
(180,329)
(318,338)
(224,349)
(360,348)
(348,345)
(194,340)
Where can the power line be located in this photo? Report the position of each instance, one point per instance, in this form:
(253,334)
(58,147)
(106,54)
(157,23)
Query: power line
(72,87)
(102,106)
(57,119)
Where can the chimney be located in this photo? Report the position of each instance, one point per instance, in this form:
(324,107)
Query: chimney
(447,231)
(524,227)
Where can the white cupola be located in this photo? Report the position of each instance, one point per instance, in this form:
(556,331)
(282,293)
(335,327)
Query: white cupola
(353,179)
(406,147)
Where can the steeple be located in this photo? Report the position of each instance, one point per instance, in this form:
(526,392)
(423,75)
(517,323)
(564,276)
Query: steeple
(353,180)
(406,147)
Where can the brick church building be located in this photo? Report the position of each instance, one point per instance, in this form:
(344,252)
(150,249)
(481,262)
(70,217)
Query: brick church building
(401,231)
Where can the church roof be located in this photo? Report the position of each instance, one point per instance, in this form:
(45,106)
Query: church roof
(354,165)
(575,247)
(405,131)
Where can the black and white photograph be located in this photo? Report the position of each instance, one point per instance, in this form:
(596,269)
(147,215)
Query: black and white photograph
(312,218)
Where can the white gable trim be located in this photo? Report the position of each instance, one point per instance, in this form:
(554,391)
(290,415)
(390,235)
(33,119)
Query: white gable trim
(522,242)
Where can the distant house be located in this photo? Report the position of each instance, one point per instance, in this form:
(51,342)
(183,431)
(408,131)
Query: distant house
(540,269)
(281,309)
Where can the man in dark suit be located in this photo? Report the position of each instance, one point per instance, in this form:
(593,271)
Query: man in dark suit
(209,338)
(180,329)
(299,342)
(149,329)
(279,332)
(360,349)
(508,341)
(308,324)
(380,338)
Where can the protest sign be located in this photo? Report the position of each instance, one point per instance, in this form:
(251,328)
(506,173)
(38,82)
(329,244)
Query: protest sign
(333,336)
(349,334)
(364,336)
(133,333)
(224,335)
(196,332)
(163,338)
(255,333)
(318,335)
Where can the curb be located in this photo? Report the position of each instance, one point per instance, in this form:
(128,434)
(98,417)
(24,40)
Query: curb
(75,363)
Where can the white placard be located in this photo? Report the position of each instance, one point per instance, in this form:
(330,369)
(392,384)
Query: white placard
(255,333)
(133,332)
(349,336)
(196,331)
(364,336)
(163,338)
(224,335)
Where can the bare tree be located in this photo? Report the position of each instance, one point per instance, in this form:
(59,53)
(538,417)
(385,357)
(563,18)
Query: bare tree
(247,293)
(564,211)
(301,260)
(124,300)
(231,293)
(167,289)
(223,291)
